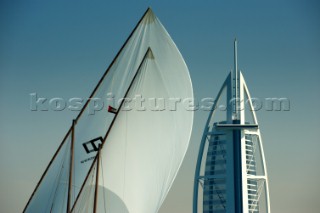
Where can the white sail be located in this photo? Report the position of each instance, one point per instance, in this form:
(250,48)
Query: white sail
(135,134)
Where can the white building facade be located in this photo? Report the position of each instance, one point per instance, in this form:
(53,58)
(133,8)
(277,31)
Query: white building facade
(231,175)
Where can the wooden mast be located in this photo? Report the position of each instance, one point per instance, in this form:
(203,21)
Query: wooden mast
(97,182)
(71,166)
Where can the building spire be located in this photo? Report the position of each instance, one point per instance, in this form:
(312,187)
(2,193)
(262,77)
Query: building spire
(235,87)
(235,58)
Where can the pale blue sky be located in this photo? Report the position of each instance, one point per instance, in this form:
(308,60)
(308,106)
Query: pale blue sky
(61,49)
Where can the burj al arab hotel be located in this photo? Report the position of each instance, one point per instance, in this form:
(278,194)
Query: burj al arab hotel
(231,175)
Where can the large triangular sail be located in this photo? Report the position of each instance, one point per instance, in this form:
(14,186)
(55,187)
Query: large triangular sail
(135,134)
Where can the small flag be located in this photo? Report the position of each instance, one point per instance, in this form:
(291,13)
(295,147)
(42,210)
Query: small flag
(112,110)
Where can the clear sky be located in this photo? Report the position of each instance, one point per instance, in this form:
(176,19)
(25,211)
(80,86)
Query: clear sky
(61,49)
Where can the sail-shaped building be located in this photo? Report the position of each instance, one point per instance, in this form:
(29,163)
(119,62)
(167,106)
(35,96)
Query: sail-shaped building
(231,175)
(140,147)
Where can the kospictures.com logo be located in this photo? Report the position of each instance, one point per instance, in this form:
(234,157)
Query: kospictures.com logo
(139,103)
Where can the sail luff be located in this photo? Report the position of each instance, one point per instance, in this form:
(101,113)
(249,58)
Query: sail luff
(111,125)
(83,108)
(71,166)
